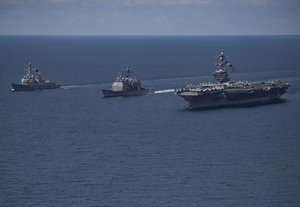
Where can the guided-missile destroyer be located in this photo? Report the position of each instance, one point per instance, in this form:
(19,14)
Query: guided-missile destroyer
(32,80)
(231,93)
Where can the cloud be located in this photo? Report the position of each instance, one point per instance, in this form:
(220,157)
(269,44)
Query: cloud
(15,2)
(153,2)
(162,20)
(149,16)
(268,2)
(156,2)
(166,2)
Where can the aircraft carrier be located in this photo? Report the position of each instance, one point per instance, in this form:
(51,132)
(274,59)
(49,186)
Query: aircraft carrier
(231,93)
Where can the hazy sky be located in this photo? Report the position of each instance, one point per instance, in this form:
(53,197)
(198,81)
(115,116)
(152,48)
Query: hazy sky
(150,17)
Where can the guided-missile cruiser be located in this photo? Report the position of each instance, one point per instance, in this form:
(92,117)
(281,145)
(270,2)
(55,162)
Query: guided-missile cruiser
(126,84)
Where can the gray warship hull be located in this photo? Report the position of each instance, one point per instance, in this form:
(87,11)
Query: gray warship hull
(32,87)
(111,93)
(232,97)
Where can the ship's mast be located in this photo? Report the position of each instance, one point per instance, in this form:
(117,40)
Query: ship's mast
(128,71)
(222,62)
(29,68)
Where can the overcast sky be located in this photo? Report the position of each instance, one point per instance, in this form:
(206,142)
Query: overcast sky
(150,17)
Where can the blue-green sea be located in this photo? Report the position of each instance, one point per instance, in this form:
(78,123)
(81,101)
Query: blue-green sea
(72,147)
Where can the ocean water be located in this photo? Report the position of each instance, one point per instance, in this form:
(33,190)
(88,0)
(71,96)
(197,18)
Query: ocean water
(71,147)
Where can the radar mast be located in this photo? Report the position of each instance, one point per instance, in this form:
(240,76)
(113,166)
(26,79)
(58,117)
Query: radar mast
(221,74)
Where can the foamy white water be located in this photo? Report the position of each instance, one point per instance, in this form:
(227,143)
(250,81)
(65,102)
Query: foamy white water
(165,91)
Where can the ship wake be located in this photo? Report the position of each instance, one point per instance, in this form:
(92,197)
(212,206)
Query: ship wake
(90,85)
(164,91)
